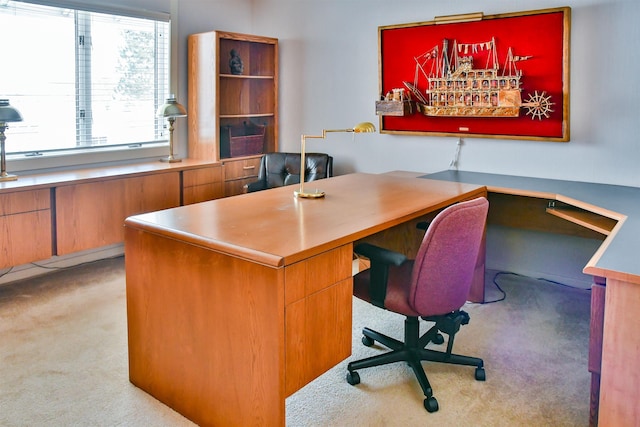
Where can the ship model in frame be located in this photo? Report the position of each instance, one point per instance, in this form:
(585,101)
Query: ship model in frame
(457,87)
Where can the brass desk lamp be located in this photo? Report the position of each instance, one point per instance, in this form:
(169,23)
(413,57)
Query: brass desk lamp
(364,127)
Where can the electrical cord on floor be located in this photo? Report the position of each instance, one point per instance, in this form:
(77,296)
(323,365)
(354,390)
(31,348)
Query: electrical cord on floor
(46,267)
(6,272)
(542,279)
(504,294)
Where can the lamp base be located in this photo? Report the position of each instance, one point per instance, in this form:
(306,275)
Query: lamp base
(316,194)
(8,177)
(170,159)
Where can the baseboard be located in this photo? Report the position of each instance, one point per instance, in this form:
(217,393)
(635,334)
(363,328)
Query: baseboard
(27,271)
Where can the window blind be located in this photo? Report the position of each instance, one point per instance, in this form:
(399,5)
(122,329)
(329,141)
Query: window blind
(83,78)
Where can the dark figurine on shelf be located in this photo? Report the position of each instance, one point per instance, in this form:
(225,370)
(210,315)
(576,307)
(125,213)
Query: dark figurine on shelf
(235,63)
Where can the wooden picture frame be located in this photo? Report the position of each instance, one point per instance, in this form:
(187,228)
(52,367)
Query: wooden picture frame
(500,76)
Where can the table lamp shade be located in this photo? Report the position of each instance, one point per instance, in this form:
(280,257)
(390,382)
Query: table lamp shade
(8,113)
(171,108)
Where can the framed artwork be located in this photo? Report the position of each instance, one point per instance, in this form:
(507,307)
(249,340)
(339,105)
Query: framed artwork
(500,76)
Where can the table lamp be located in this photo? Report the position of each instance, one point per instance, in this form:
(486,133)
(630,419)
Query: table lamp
(364,127)
(171,110)
(8,114)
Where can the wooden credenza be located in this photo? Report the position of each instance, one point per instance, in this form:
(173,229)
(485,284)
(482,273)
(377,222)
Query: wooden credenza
(71,211)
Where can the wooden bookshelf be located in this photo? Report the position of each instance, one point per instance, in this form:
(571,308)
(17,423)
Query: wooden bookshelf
(220,99)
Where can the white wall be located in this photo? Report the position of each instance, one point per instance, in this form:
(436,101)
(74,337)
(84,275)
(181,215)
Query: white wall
(329,78)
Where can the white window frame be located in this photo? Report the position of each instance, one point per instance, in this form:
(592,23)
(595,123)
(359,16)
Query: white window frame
(67,159)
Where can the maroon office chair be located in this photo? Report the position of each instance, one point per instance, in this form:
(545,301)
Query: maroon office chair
(433,287)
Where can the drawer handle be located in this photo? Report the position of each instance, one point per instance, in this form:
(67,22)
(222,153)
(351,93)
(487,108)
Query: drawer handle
(248,167)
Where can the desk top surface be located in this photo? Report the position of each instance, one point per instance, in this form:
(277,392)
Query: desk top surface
(619,255)
(274,228)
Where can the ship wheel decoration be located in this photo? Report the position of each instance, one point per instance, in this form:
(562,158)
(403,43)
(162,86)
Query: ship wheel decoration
(539,105)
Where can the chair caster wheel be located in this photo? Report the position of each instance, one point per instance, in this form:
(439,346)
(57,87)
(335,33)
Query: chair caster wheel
(353,378)
(438,339)
(431,404)
(367,341)
(480,374)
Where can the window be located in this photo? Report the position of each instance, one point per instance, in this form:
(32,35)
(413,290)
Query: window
(83,79)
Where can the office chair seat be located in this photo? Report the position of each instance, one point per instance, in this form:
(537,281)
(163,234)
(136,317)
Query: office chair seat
(432,287)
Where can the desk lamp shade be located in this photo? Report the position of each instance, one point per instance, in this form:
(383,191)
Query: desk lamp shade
(8,114)
(364,127)
(171,110)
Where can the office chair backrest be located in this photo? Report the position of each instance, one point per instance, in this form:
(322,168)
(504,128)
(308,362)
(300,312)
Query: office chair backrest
(444,266)
(284,168)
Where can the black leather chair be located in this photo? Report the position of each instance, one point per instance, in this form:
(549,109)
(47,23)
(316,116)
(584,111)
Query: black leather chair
(433,287)
(279,169)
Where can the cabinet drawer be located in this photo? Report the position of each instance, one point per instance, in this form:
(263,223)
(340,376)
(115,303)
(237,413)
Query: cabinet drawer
(25,213)
(202,193)
(199,185)
(91,215)
(317,334)
(24,201)
(16,249)
(194,177)
(318,298)
(245,168)
(303,279)
(236,186)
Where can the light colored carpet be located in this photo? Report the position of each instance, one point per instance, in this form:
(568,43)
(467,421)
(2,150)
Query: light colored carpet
(63,362)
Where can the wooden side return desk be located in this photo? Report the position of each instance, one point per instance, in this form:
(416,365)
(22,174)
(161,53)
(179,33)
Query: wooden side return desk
(613,213)
(236,303)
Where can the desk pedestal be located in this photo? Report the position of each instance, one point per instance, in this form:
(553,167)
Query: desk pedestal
(223,340)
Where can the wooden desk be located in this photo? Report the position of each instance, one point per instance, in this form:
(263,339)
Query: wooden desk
(614,212)
(236,303)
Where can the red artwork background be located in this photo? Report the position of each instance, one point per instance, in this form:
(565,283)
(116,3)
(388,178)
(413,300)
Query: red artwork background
(541,34)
